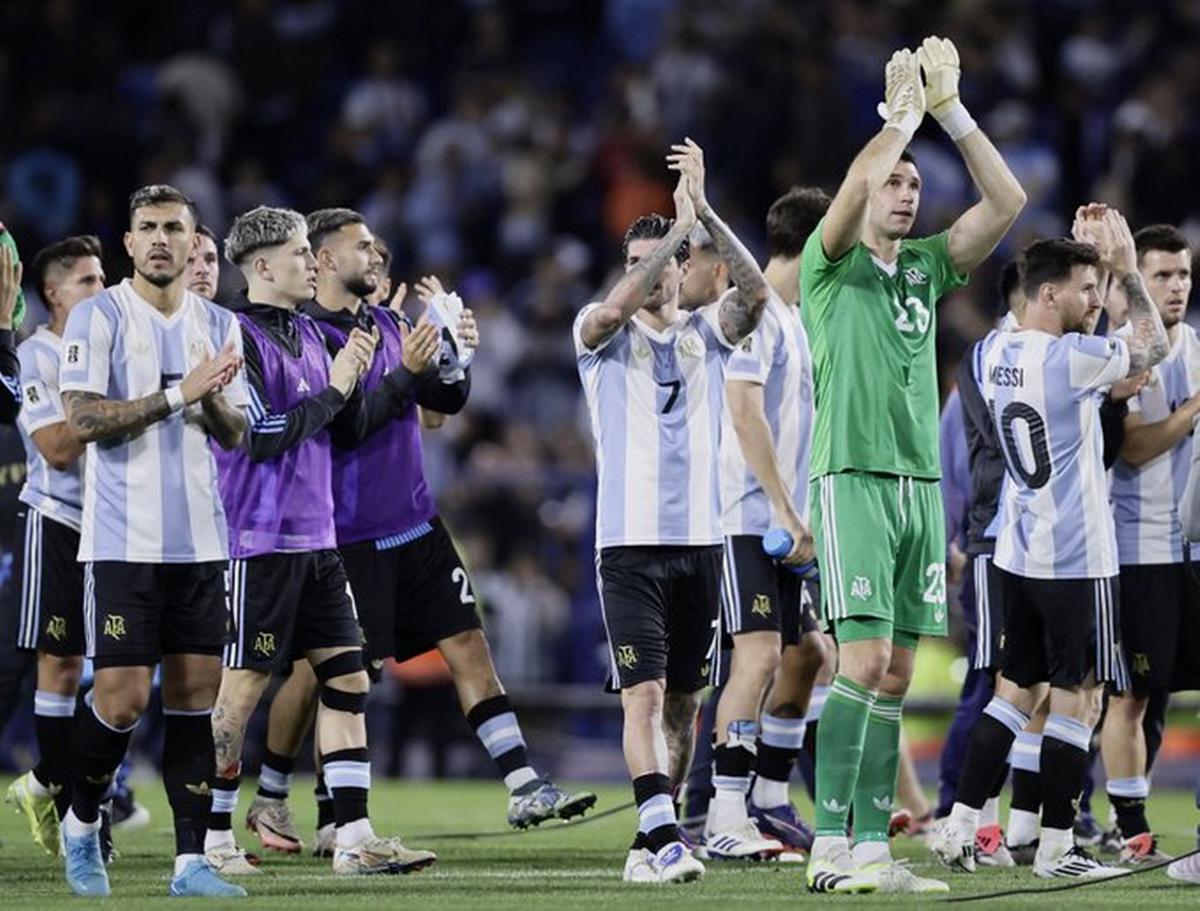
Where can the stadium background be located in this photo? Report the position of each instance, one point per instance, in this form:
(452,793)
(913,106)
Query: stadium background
(505,146)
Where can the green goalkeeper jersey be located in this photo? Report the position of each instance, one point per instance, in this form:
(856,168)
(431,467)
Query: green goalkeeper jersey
(872,328)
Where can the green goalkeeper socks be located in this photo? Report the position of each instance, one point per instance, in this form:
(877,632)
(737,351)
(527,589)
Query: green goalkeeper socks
(876,787)
(840,737)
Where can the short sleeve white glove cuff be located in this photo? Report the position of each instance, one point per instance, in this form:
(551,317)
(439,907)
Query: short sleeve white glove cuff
(956,121)
(906,124)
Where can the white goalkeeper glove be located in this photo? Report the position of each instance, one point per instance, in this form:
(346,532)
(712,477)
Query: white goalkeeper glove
(453,357)
(903,106)
(939,60)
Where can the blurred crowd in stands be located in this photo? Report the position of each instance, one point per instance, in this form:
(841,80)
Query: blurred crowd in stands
(505,146)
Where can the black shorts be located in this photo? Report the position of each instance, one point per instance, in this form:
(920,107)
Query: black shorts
(49,578)
(760,595)
(988,583)
(660,607)
(134,613)
(411,596)
(283,605)
(1058,631)
(1160,627)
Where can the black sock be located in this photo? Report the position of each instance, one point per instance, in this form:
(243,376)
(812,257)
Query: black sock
(774,763)
(325,816)
(280,765)
(1026,790)
(188,772)
(732,761)
(348,774)
(224,798)
(1063,766)
(1153,723)
(98,750)
(56,747)
(986,753)
(656,815)
(998,784)
(806,762)
(1131,815)
(502,738)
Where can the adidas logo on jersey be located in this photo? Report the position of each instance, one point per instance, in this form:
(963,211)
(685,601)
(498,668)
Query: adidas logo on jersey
(302,387)
(860,588)
(915,277)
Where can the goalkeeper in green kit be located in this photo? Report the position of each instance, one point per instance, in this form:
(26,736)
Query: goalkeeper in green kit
(869,302)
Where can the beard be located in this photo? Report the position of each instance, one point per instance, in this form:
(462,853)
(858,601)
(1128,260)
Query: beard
(362,285)
(159,279)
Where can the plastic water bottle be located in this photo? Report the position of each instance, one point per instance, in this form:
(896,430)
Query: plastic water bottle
(778,543)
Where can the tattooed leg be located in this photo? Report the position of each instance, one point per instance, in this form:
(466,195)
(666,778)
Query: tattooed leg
(236,701)
(679,725)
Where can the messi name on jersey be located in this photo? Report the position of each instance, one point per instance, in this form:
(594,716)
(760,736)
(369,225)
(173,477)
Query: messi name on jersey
(1007,376)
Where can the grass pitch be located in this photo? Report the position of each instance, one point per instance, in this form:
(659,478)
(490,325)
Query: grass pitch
(576,867)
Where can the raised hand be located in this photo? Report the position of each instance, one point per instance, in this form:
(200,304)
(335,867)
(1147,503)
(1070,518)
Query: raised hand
(352,361)
(420,346)
(10,285)
(939,59)
(468,329)
(429,287)
(685,211)
(903,106)
(396,304)
(688,160)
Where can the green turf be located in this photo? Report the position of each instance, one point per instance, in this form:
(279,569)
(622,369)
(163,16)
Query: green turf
(576,868)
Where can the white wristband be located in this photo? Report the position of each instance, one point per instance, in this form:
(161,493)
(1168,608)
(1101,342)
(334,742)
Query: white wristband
(907,124)
(956,121)
(174,398)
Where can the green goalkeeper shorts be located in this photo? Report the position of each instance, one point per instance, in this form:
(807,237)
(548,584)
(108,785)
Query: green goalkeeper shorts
(881,545)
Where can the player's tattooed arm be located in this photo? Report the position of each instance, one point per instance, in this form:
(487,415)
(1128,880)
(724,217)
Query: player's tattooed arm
(740,312)
(1147,340)
(226,424)
(629,294)
(93,417)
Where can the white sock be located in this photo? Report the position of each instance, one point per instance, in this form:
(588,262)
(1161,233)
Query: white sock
(825,845)
(218,838)
(354,833)
(964,818)
(76,829)
(182,861)
(990,814)
(36,788)
(519,777)
(726,811)
(767,793)
(871,852)
(1054,844)
(1022,828)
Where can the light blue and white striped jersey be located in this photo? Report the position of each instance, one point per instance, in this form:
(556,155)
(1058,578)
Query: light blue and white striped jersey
(775,356)
(1044,395)
(151,497)
(656,400)
(57,495)
(1146,500)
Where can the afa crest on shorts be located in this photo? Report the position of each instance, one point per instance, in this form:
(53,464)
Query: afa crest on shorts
(627,656)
